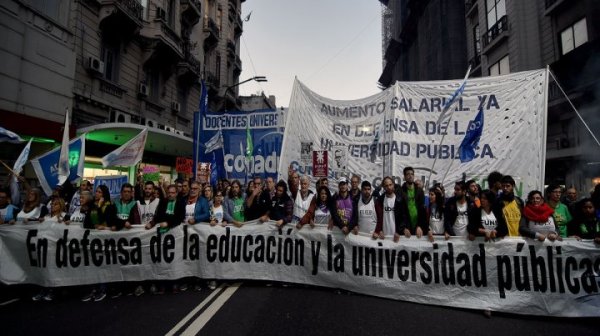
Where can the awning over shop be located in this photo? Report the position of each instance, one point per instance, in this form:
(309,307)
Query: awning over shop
(159,141)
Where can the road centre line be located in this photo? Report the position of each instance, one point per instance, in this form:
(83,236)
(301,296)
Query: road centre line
(201,320)
(193,313)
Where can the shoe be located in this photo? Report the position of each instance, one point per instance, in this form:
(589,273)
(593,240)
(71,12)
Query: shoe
(153,289)
(197,288)
(88,297)
(175,289)
(487,313)
(160,290)
(139,290)
(116,295)
(183,287)
(101,296)
(37,297)
(212,285)
(49,296)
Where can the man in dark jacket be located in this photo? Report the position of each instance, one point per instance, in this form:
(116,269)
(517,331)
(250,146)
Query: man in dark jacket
(170,212)
(456,212)
(394,217)
(281,208)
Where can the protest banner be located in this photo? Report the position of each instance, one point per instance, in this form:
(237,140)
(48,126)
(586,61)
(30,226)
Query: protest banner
(513,275)
(112,182)
(398,127)
(238,127)
(184,165)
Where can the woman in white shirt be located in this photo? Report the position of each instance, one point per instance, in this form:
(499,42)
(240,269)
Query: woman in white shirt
(33,209)
(435,213)
(216,211)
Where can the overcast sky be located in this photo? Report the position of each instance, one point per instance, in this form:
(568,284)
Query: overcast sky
(332,46)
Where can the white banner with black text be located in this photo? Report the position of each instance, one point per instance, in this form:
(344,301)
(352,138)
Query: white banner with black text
(511,275)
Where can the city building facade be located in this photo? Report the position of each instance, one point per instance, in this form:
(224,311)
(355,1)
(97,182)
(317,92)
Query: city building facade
(119,66)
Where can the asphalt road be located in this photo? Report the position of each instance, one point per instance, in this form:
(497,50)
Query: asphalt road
(253,308)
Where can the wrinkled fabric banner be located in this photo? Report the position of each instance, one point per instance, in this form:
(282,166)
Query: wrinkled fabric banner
(398,127)
(511,275)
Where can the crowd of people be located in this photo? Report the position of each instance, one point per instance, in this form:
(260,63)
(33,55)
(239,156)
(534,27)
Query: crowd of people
(386,211)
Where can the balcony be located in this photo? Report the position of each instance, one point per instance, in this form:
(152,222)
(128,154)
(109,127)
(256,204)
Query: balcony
(552,6)
(191,12)
(496,33)
(189,69)
(124,14)
(231,49)
(237,66)
(211,34)
(212,81)
(162,46)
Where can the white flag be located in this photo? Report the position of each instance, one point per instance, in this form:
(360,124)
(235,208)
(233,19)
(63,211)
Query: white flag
(215,142)
(8,136)
(445,116)
(129,154)
(63,161)
(22,159)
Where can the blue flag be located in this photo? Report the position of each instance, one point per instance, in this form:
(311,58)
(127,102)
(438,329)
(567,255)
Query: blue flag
(198,116)
(471,140)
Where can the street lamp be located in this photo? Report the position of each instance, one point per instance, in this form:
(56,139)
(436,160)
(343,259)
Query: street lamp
(259,79)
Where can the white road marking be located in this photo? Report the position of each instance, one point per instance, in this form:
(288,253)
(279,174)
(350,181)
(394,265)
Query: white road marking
(201,320)
(8,302)
(195,310)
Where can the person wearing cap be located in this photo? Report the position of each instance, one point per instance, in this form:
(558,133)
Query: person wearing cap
(344,205)
(510,206)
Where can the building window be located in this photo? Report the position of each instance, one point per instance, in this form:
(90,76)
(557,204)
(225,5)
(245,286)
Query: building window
(496,9)
(144,4)
(219,20)
(153,79)
(171,13)
(574,36)
(502,67)
(110,57)
(477,39)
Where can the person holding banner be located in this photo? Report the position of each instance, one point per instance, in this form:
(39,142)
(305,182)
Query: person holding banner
(57,210)
(456,213)
(170,213)
(217,212)
(234,205)
(8,212)
(118,213)
(281,208)
(33,209)
(144,210)
(102,201)
(414,204)
(266,196)
(369,213)
(74,204)
(321,212)
(588,226)
(393,223)
(485,220)
(509,205)
(293,182)
(435,213)
(303,199)
(355,191)
(562,215)
(196,207)
(539,223)
(253,193)
(344,205)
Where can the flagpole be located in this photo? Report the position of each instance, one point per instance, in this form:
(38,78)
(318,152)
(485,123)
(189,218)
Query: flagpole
(9,169)
(456,94)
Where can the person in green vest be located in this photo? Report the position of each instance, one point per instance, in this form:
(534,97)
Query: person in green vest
(234,205)
(562,216)
(413,199)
